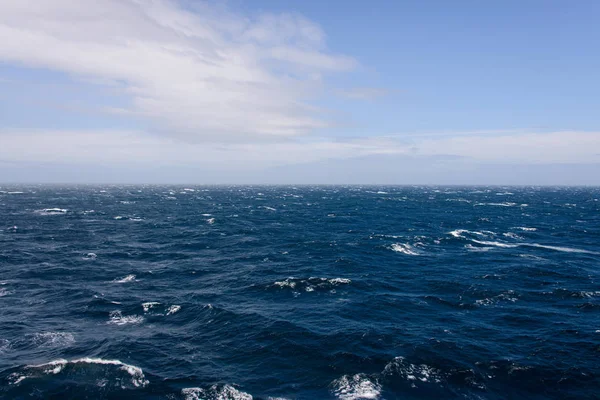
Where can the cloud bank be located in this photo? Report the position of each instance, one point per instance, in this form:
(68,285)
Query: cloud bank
(202,73)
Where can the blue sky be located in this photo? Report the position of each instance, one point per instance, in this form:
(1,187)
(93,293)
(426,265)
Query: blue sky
(270,91)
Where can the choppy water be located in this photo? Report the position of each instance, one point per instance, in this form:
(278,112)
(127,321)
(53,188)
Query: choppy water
(156,292)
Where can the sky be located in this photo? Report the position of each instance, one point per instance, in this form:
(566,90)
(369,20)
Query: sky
(287,92)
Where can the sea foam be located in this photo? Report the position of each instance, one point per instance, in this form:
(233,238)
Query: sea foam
(359,386)
(215,392)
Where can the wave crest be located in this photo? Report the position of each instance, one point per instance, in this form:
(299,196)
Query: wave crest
(102,372)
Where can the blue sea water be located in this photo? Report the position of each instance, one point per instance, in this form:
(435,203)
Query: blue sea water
(170,292)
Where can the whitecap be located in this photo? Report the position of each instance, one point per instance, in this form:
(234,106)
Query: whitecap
(359,386)
(52,211)
(117,318)
(404,249)
(226,392)
(536,245)
(312,284)
(458,233)
(57,366)
(173,309)
(412,372)
(337,281)
(90,256)
(125,279)
(589,295)
(503,204)
(289,282)
(496,244)
(151,304)
(508,296)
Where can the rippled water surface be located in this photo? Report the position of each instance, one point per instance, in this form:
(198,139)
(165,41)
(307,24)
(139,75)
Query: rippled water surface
(163,292)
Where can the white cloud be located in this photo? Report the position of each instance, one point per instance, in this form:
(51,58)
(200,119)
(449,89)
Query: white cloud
(137,148)
(202,74)
(525,147)
(231,91)
(127,148)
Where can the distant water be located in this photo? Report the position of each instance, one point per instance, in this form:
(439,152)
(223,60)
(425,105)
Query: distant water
(160,292)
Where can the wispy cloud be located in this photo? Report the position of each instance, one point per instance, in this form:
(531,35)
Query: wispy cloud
(126,148)
(206,73)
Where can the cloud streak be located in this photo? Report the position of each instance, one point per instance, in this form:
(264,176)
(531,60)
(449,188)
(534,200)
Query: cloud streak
(126,148)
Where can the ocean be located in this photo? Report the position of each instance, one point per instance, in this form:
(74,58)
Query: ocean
(284,292)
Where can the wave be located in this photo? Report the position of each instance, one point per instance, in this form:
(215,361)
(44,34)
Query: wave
(503,204)
(470,247)
(512,235)
(560,248)
(404,249)
(460,234)
(173,309)
(524,228)
(117,318)
(494,243)
(90,256)
(52,211)
(215,392)
(312,284)
(126,218)
(413,373)
(508,296)
(363,386)
(85,368)
(125,279)
(460,200)
(359,386)
(151,304)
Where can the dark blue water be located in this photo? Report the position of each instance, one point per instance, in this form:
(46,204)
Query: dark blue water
(150,292)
